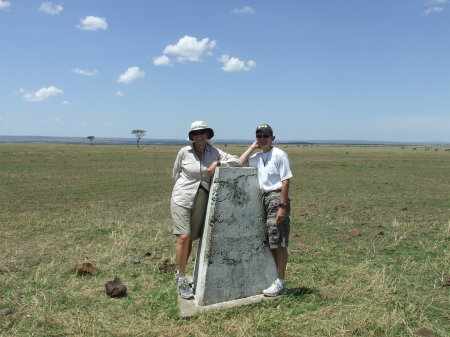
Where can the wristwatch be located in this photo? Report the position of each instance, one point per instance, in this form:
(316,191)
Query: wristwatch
(283,206)
(218,163)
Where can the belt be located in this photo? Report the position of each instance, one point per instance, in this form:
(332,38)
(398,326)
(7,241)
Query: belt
(268,192)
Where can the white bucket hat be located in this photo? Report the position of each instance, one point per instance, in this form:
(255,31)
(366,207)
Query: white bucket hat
(200,125)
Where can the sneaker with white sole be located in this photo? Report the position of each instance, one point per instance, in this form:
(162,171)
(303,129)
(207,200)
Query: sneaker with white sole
(185,290)
(277,288)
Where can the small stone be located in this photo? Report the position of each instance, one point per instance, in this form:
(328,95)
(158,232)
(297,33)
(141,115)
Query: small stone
(85,269)
(328,294)
(115,288)
(304,212)
(135,261)
(6,312)
(424,332)
(4,270)
(147,254)
(377,232)
(344,237)
(354,233)
(167,267)
(419,308)
(446,282)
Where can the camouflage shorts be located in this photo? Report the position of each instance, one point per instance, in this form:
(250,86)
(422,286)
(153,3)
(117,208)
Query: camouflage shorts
(278,235)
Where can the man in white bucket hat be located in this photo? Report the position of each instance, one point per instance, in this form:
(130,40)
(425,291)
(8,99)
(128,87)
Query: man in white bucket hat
(192,172)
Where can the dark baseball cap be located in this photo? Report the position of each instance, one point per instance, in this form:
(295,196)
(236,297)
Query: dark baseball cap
(265,128)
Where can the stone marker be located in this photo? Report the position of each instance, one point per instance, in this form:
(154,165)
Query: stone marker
(234,260)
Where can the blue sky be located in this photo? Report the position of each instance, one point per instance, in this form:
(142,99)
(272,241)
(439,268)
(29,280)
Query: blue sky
(330,69)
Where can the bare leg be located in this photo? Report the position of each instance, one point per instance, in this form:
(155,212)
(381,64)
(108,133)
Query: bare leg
(182,252)
(281,258)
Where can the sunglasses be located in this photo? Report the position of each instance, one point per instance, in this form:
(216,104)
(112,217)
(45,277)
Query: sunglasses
(263,136)
(199,132)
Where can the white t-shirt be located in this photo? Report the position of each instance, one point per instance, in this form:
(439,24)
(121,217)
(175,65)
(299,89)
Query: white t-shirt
(273,167)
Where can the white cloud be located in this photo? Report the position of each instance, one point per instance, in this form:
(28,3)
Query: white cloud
(432,10)
(84,72)
(42,94)
(93,23)
(190,49)
(120,93)
(162,60)
(65,102)
(131,75)
(244,10)
(49,8)
(233,64)
(4,4)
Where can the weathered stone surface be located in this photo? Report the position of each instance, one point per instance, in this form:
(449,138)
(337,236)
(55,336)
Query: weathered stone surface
(234,260)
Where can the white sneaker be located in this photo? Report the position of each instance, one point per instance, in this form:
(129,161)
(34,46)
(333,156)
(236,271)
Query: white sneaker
(185,290)
(277,288)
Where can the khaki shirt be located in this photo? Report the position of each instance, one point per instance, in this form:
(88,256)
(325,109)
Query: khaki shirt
(189,172)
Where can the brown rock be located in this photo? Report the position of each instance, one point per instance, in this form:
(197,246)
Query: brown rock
(424,332)
(446,282)
(85,269)
(342,206)
(147,254)
(115,288)
(6,312)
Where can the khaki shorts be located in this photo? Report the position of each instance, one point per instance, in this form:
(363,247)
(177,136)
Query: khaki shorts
(190,221)
(278,235)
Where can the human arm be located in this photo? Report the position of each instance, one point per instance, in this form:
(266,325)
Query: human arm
(284,198)
(223,159)
(176,172)
(248,153)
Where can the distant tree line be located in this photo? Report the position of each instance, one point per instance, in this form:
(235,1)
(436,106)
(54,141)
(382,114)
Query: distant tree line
(139,134)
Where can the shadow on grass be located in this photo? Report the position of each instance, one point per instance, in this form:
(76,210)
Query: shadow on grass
(301,291)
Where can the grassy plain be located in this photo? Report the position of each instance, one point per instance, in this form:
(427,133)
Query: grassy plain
(369,246)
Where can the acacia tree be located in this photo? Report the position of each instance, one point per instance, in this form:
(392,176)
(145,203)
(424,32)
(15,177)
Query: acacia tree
(139,134)
(91,138)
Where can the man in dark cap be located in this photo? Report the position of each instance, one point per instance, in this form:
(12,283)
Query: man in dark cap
(274,175)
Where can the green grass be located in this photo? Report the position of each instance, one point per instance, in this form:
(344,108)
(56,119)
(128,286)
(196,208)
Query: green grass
(370,231)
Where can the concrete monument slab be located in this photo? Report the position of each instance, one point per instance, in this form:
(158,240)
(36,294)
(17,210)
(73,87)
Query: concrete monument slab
(234,260)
